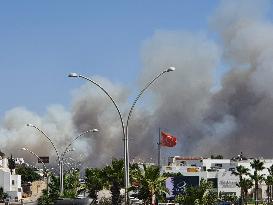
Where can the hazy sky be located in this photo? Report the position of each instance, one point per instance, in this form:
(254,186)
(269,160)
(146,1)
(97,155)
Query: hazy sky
(123,44)
(42,41)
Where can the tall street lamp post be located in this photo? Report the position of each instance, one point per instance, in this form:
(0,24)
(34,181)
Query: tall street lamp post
(125,128)
(61,157)
(66,151)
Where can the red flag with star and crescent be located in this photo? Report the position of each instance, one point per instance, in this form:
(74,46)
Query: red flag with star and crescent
(167,140)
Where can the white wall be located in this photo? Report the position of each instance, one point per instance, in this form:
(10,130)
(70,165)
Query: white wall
(13,190)
(17,182)
(222,174)
(227,183)
(5,181)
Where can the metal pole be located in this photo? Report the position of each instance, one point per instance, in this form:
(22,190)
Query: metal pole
(127,127)
(122,126)
(125,130)
(127,167)
(63,155)
(159,147)
(62,177)
(59,158)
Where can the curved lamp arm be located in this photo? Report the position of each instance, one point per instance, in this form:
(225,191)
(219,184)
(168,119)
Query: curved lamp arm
(66,149)
(124,130)
(75,75)
(26,149)
(31,125)
(142,91)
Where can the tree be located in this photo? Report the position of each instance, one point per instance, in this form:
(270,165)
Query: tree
(28,174)
(232,198)
(258,166)
(114,175)
(53,194)
(269,181)
(241,171)
(94,181)
(11,164)
(201,195)
(245,185)
(71,183)
(151,184)
(3,195)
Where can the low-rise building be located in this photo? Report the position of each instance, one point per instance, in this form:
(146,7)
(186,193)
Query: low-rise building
(219,171)
(10,182)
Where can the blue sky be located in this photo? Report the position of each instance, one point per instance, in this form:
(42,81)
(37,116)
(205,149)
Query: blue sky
(42,41)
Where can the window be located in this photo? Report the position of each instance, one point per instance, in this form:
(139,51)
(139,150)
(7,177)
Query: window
(12,182)
(182,163)
(231,169)
(218,165)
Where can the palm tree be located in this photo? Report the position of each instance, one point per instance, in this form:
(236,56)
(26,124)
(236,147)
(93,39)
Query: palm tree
(241,171)
(114,174)
(270,170)
(270,182)
(258,166)
(245,185)
(151,184)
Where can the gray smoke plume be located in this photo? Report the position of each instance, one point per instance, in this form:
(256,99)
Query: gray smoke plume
(246,93)
(235,117)
(92,108)
(238,116)
(14,133)
(181,98)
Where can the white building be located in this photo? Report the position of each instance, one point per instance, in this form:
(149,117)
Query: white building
(219,171)
(11,183)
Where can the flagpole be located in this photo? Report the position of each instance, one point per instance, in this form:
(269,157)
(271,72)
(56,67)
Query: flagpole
(159,147)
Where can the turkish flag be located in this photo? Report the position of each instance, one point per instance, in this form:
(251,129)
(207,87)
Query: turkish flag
(167,139)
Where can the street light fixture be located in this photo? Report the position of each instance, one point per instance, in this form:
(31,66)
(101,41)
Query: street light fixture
(124,127)
(171,69)
(61,157)
(73,75)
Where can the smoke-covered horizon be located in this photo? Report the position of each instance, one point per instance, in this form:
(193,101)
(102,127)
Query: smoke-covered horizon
(236,117)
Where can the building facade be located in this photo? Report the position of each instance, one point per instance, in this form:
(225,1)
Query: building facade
(10,182)
(218,171)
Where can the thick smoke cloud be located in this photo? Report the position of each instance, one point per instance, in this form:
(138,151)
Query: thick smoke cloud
(235,117)
(246,94)
(181,98)
(14,133)
(93,109)
(238,116)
